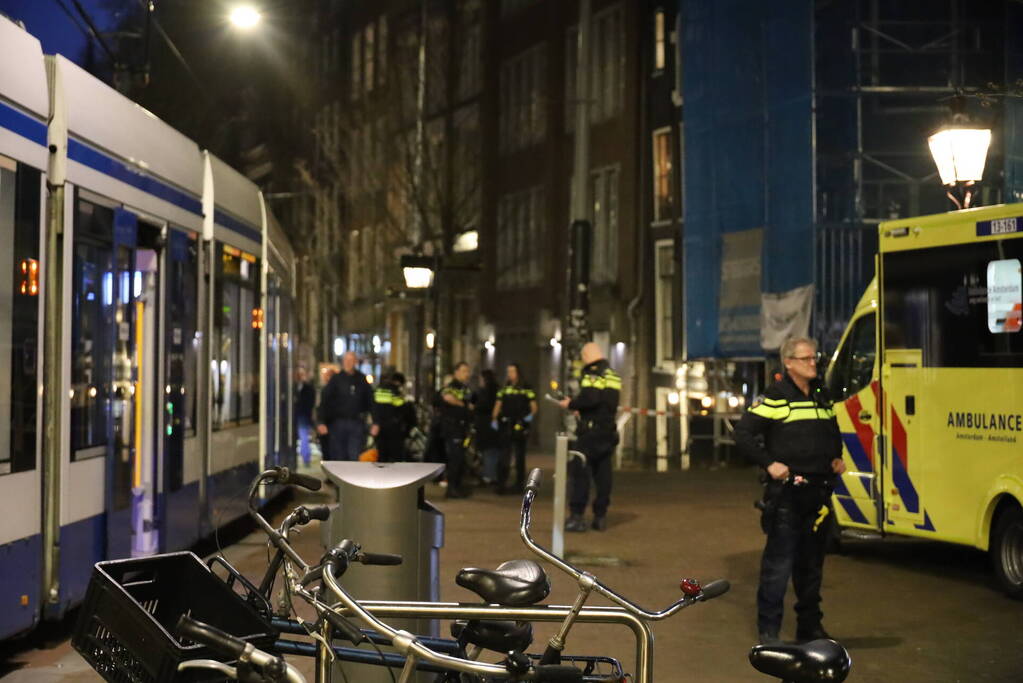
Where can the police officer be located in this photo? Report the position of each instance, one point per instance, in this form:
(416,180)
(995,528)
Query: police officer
(344,404)
(513,413)
(393,417)
(454,424)
(596,438)
(792,433)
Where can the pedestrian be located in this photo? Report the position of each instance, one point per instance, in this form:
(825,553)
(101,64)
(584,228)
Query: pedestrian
(487,442)
(305,402)
(393,417)
(454,424)
(596,438)
(514,411)
(327,370)
(344,406)
(792,433)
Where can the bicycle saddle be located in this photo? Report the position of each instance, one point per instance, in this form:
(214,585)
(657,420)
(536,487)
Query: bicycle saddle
(813,662)
(500,636)
(517,583)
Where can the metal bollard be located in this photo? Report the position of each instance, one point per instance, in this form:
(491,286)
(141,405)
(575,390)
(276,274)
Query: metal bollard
(560,494)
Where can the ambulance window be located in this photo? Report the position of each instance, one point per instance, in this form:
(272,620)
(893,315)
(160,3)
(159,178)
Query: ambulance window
(1004,296)
(959,304)
(854,366)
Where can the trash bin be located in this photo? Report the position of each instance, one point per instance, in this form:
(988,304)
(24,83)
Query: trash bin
(382,507)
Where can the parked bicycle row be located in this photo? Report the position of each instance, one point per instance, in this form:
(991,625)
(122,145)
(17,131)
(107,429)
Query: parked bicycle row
(171,617)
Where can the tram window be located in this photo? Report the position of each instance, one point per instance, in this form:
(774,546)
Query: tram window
(236,340)
(19,319)
(91,346)
(225,351)
(938,300)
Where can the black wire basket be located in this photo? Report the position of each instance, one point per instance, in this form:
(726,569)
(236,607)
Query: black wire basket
(125,629)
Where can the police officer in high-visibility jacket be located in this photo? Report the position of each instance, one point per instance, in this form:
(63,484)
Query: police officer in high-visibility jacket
(513,414)
(454,403)
(792,433)
(596,438)
(393,416)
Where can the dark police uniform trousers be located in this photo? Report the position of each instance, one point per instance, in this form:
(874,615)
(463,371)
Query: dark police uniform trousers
(800,431)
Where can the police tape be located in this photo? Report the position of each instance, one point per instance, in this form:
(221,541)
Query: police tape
(650,411)
(557,398)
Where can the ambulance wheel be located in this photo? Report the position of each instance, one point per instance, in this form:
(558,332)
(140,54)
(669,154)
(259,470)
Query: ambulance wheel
(1007,550)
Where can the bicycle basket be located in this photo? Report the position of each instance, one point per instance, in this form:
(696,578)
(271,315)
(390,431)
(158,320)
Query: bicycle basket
(125,629)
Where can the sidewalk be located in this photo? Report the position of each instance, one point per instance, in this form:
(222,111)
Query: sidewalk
(907,610)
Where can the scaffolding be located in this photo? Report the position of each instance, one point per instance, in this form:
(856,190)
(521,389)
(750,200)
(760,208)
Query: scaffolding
(884,74)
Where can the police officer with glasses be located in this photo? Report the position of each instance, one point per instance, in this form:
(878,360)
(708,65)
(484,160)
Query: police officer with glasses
(792,433)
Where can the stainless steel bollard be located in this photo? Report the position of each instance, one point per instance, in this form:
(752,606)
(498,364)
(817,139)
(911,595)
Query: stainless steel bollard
(382,507)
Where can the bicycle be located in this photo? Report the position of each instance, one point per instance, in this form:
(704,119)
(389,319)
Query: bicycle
(318,586)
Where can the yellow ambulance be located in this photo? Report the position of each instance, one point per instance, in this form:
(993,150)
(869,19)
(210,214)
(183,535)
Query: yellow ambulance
(933,423)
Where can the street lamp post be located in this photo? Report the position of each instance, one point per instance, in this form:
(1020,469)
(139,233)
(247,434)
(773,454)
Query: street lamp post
(960,152)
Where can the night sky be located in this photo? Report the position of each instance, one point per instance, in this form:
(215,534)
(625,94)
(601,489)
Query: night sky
(58,33)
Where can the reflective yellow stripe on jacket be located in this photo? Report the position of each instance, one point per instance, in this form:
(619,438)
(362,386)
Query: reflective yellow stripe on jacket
(783,411)
(388,398)
(608,380)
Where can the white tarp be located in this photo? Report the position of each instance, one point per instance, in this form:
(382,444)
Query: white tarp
(785,315)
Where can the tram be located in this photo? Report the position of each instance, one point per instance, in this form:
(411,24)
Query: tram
(145,334)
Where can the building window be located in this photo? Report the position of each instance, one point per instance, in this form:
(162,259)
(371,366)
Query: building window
(470,73)
(523,102)
(437,46)
(369,43)
(354,261)
(659,41)
(604,190)
(357,65)
(382,51)
(607,67)
(664,284)
(664,198)
(520,229)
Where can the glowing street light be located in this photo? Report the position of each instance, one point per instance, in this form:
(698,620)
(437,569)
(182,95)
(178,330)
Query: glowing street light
(418,271)
(960,152)
(245,17)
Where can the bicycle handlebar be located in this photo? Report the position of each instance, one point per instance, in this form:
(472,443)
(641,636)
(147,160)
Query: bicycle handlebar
(556,673)
(383,559)
(712,590)
(274,668)
(211,636)
(535,480)
(306,481)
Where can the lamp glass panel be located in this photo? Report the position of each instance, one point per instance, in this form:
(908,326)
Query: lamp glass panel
(418,278)
(960,153)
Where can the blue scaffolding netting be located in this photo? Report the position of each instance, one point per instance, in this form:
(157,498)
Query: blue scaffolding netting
(747,108)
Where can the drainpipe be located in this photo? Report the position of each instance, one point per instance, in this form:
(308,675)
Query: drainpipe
(632,311)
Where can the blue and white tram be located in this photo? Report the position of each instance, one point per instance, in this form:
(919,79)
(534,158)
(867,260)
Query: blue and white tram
(144,334)
(24,110)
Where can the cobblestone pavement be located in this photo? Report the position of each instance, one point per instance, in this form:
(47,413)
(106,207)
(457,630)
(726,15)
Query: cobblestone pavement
(907,610)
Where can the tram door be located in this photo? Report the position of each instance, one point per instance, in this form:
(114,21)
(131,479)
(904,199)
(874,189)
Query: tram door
(131,474)
(179,509)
